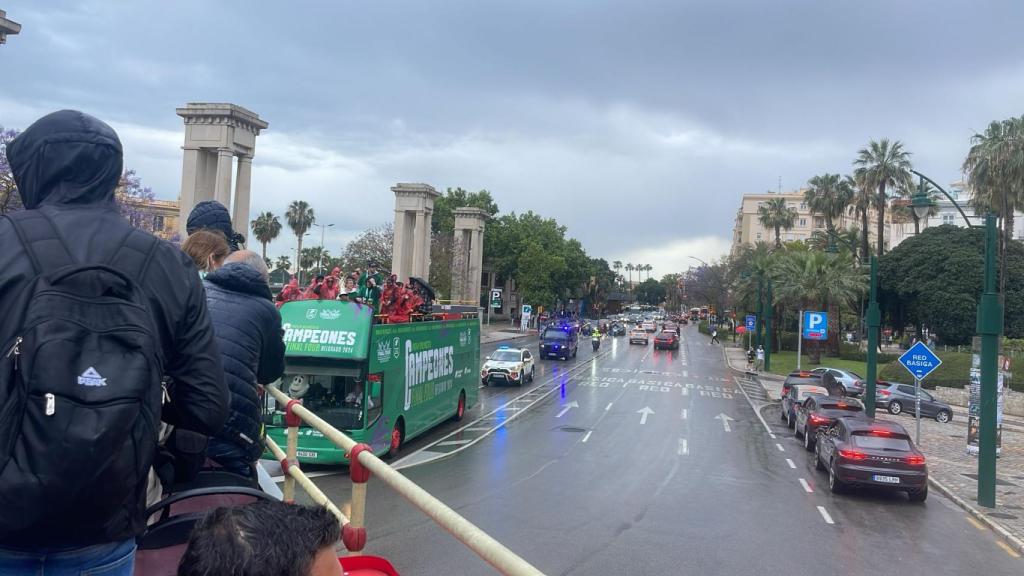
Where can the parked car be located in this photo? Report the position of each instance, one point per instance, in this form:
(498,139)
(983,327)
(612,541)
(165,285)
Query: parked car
(799,377)
(852,383)
(638,335)
(796,395)
(871,453)
(899,398)
(822,411)
(666,339)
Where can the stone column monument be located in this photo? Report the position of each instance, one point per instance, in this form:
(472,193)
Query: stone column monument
(468,257)
(414,211)
(214,135)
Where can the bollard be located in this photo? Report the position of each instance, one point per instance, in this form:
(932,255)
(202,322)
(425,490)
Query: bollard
(353,534)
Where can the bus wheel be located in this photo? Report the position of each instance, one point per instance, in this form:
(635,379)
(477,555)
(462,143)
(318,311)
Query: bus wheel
(397,435)
(460,408)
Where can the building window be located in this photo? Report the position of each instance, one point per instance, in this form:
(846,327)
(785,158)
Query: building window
(803,222)
(819,221)
(948,219)
(758,235)
(789,237)
(158,223)
(803,206)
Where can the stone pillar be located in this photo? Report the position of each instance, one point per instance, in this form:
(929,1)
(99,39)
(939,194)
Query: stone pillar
(240,212)
(414,204)
(420,247)
(214,134)
(467,267)
(222,193)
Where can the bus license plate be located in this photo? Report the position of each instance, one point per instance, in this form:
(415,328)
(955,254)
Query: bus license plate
(305,454)
(886,479)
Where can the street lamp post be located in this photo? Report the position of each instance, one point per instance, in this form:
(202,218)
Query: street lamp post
(990,328)
(320,260)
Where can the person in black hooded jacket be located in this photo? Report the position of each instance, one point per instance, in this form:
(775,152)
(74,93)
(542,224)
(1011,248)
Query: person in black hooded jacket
(67,165)
(249,337)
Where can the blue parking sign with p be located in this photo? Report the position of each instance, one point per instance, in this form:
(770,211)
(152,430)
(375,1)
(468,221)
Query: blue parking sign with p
(815,326)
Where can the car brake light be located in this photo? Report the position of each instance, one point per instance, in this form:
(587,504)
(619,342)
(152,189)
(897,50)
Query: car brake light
(818,420)
(883,392)
(841,405)
(881,433)
(915,460)
(375,377)
(852,455)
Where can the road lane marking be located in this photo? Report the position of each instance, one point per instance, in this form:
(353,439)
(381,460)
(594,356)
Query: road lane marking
(779,446)
(791,464)
(644,413)
(824,514)
(682,415)
(411,460)
(569,406)
(480,429)
(725,421)
(587,435)
(454,442)
(975,523)
(683,448)
(752,407)
(807,487)
(608,407)
(1006,548)
(686,391)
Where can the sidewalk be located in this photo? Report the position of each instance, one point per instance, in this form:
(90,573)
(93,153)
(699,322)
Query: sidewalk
(952,471)
(500,332)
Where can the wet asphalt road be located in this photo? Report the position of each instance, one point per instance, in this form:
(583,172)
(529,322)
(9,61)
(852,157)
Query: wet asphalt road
(643,477)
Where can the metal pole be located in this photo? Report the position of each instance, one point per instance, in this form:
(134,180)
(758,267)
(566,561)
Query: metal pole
(320,259)
(760,314)
(768,329)
(874,323)
(917,409)
(799,338)
(990,327)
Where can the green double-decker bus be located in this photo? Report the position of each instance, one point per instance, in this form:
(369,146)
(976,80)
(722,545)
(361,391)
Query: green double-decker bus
(381,384)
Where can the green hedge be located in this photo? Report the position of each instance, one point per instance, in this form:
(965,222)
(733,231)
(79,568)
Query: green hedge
(849,351)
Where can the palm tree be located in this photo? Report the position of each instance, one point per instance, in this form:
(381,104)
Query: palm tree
(649,268)
(815,280)
(995,174)
(283,263)
(617,265)
(630,268)
(300,218)
(861,204)
(882,165)
(828,195)
(265,228)
(776,215)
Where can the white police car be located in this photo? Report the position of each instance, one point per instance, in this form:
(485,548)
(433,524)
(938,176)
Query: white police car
(510,365)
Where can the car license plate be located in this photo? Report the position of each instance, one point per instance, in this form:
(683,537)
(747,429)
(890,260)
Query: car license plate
(305,454)
(885,479)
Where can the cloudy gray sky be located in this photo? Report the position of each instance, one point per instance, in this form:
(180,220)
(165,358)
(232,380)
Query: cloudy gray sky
(638,124)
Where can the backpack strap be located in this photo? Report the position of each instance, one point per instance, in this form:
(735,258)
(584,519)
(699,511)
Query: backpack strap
(135,252)
(43,243)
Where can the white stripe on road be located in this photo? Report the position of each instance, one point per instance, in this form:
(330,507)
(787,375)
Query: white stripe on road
(608,407)
(682,415)
(587,435)
(824,514)
(479,429)
(807,487)
(683,448)
(454,442)
(791,464)
(686,391)
(779,446)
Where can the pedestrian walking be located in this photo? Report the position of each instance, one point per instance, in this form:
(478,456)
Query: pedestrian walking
(127,307)
(760,358)
(714,336)
(247,326)
(750,358)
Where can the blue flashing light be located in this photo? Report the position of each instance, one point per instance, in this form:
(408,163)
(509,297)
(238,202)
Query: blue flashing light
(503,346)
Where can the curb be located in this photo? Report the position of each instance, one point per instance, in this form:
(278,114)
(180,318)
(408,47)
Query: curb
(1013,541)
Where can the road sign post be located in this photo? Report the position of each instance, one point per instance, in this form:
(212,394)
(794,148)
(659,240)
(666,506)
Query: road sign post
(813,326)
(920,361)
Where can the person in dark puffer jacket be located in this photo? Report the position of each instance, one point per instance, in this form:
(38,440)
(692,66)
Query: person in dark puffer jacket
(247,326)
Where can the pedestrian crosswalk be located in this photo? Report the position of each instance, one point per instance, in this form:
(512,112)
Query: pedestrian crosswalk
(753,389)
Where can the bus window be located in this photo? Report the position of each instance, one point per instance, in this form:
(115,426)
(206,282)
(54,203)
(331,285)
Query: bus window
(336,399)
(373,401)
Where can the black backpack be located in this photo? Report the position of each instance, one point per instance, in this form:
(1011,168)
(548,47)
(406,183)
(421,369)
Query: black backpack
(80,391)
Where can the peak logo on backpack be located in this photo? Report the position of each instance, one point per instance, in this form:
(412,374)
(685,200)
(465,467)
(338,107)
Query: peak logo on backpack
(91,378)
